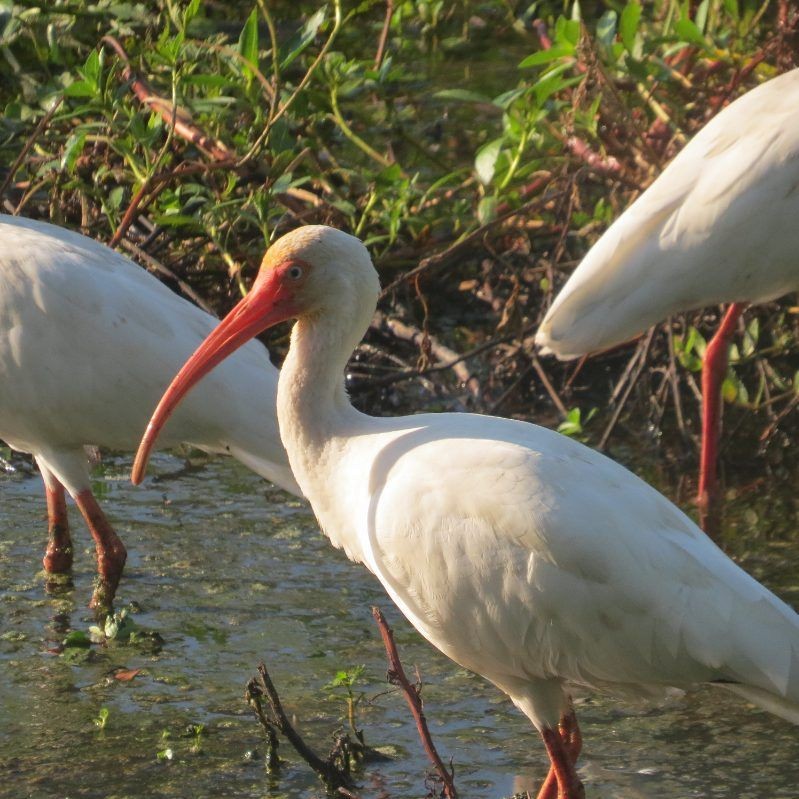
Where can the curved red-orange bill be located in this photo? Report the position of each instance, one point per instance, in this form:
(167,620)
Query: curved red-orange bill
(255,313)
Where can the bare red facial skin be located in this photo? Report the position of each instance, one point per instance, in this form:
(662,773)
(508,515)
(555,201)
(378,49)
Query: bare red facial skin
(270,301)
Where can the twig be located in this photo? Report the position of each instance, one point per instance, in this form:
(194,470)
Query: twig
(541,31)
(31,140)
(553,395)
(252,694)
(332,776)
(396,675)
(508,392)
(771,428)
(381,44)
(156,184)
(337,18)
(447,358)
(643,348)
(675,383)
(607,166)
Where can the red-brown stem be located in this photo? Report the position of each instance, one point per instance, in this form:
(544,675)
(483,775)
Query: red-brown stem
(183,126)
(381,45)
(155,184)
(396,674)
(541,31)
(608,166)
(714,369)
(58,556)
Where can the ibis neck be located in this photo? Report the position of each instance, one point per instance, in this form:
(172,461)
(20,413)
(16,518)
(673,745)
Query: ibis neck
(312,405)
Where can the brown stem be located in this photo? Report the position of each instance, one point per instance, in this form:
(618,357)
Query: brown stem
(547,383)
(284,725)
(396,675)
(381,44)
(156,184)
(633,371)
(253,694)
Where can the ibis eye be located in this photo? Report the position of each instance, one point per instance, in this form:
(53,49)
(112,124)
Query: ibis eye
(295,272)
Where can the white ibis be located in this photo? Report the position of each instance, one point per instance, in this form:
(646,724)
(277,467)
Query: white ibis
(718,225)
(88,341)
(521,554)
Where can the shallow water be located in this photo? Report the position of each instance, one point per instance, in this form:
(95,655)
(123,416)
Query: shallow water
(230,571)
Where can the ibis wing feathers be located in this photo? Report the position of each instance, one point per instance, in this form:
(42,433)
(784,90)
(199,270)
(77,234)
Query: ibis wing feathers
(718,225)
(544,559)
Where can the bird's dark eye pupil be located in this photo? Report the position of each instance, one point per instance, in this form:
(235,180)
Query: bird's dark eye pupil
(295,272)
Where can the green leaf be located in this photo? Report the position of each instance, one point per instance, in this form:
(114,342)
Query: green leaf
(72,150)
(486,209)
(248,41)
(606,28)
(567,31)
(306,35)
(700,18)
(505,99)
(464,95)
(485,162)
(80,88)
(628,26)
(731,7)
(752,334)
(545,56)
(91,68)
(77,638)
(191,12)
(688,32)
(571,426)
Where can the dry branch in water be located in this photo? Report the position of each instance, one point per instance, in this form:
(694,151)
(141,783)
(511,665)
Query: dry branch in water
(396,676)
(334,770)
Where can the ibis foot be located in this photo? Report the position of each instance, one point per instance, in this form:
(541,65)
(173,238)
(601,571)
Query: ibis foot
(563,747)
(111,552)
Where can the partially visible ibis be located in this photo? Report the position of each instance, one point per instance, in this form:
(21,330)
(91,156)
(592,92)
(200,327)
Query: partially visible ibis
(718,225)
(88,342)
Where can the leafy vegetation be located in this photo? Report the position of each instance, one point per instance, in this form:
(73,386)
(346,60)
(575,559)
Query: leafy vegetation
(479,148)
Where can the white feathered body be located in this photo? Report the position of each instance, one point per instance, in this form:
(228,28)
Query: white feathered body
(521,554)
(536,562)
(88,342)
(718,225)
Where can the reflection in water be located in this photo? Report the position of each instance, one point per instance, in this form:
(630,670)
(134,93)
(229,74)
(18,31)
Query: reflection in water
(229,571)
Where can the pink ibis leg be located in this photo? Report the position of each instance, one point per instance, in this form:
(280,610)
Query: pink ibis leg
(714,369)
(562,782)
(111,552)
(58,556)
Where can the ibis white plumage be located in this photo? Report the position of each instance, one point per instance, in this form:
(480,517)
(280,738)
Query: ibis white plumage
(718,225)
(520,553)
(88,341)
